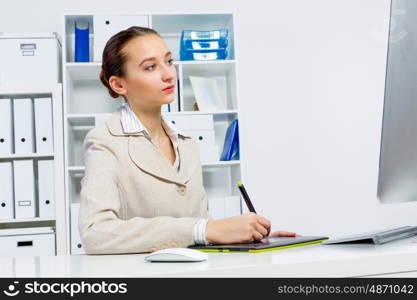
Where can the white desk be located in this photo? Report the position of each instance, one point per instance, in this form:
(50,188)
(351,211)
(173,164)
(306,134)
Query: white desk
(308,261)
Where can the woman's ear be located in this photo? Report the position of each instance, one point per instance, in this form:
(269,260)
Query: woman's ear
(117,85)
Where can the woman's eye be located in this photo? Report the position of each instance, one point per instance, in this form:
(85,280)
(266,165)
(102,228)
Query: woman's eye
(151,67)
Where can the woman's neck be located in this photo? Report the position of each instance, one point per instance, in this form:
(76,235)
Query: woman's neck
(151,119)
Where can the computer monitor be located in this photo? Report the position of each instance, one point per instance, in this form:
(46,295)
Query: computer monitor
(397,180)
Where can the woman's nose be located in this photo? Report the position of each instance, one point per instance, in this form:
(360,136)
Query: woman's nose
(169,73)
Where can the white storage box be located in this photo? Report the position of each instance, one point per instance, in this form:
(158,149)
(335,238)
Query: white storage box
(206,137)
(105,26)
(29,59)
(192,122)
(76,245)
(35,241)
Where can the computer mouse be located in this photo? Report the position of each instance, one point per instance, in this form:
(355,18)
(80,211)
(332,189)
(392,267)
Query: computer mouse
(176,254)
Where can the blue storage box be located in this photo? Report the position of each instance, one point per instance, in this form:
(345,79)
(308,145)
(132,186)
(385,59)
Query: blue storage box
(203,45)
(204,54)
(204,35)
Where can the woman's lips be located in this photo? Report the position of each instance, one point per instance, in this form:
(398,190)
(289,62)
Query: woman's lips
(169,89)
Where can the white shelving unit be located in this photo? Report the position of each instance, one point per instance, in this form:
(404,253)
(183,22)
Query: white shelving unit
(87,101)
(58,221)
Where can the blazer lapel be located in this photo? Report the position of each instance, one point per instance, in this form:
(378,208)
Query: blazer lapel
(114,125)
(148,157)
(188,160)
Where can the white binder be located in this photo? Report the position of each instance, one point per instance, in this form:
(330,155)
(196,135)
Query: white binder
(23,126)
(6,144)
(76,245)
(24,189)
(46,188)
(6,191)
(43,125)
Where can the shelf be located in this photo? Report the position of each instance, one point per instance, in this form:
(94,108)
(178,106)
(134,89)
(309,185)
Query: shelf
(221,163)
(88,104)
(91,70)
(26,220)
(220,112)
(205,62)
(30,89)
(75,137)
(81,169)
(88,119)
(220,181)
(80,124)
(225,74)
(29,155)
(76,169)
(83,71)
(75,65)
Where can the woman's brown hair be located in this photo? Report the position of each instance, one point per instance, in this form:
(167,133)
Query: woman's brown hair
(113,61)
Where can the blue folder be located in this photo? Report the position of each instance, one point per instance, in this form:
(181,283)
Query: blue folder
(231,143)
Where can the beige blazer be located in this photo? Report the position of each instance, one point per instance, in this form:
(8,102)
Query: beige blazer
(132,198)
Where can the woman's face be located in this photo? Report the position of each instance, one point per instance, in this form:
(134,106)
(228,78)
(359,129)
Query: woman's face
(149,70)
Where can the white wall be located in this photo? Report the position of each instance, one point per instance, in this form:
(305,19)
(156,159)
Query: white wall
(311,92)
(319,136)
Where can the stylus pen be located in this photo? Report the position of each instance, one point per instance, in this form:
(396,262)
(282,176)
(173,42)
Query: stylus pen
(247,199)
(245,196)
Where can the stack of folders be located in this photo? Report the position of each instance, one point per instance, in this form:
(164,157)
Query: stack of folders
(231,143)
(26,128)
(203,45)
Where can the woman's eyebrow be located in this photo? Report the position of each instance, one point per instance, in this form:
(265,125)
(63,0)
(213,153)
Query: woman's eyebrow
(153,57)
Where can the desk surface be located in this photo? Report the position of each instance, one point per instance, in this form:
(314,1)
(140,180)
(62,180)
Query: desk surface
(308,261)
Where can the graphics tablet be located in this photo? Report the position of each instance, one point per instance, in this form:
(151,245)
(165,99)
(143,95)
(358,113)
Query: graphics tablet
(266,244)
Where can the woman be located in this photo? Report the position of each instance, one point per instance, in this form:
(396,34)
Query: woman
(143,188)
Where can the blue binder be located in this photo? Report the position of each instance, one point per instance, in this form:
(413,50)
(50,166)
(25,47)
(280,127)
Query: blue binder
(231,143)
(82,47)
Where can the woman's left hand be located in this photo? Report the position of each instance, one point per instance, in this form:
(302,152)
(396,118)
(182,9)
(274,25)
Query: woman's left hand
(283,233)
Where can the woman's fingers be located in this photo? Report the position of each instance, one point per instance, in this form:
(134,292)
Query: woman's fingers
(261,229)
(257,236)
(265,222)
(283,233)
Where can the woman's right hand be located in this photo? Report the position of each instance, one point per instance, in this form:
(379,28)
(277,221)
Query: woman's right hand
(238,229)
